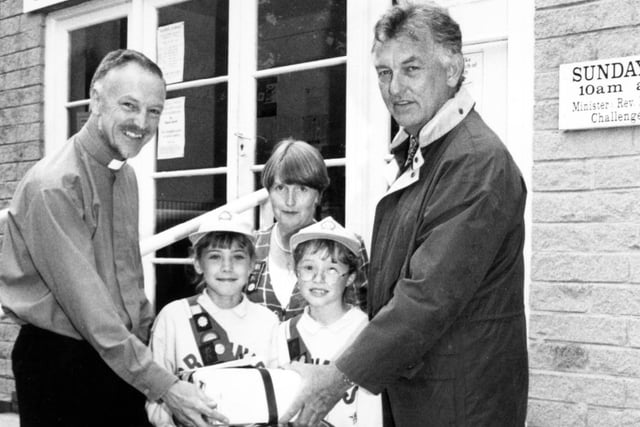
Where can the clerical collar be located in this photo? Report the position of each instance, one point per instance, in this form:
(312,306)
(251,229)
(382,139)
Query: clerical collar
(115,165)
(98,148)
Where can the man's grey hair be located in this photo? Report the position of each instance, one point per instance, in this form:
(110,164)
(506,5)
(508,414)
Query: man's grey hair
(417,20)
(120,58)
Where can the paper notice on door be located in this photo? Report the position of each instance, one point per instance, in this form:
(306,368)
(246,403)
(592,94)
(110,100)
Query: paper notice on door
(474,76)
(171,51)
(171,130)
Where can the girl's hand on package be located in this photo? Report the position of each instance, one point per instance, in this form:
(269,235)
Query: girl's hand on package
(192,407)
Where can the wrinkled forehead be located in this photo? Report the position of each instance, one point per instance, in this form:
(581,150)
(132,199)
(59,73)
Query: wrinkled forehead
(405,33)
(402,49)
(132,80)
(130,74)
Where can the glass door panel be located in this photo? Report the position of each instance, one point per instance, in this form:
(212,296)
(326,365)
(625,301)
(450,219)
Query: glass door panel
(307,105)
(306,100)
(333,200)
(193,180)
(205,129)
(291,32)
(183,198)
(206,36)
(77,116)
(87,47)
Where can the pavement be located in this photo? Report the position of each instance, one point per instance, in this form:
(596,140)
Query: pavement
(9,420)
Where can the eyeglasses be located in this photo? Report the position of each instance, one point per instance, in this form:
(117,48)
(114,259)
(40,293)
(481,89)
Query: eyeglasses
(310,272)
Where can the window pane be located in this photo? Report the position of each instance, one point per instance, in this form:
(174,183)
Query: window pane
(291,32)
(205,129)
(179,200)
(206,36)
(77,118)
(307,105)
(333,198)
(88,46)
(174,281)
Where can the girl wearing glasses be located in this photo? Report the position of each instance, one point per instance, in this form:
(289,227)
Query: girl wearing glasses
(326,259)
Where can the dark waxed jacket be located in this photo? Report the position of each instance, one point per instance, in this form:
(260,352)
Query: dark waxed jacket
(447,339)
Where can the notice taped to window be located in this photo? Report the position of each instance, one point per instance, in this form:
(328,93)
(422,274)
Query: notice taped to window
(171,51)
(171,129)
(599,94)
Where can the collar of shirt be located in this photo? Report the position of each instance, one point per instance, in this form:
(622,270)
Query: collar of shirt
(448,117)
(312,326)
(98,148)
(207,303)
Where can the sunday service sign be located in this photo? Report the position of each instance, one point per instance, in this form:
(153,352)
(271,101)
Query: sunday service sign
(599,94)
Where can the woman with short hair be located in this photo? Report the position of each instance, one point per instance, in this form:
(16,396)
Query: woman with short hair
(296,177)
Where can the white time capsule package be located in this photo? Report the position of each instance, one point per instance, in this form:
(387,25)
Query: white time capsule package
(249,395)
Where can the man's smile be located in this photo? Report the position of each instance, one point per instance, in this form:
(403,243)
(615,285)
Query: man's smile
(133,134)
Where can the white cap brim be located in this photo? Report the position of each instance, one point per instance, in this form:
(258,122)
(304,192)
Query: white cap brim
(222,222)
(328,229)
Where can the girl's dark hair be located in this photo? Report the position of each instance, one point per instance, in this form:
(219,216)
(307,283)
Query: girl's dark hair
(337,251)
(221,240)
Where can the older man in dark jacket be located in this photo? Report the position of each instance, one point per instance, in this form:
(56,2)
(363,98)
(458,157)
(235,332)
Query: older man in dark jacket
(446,344)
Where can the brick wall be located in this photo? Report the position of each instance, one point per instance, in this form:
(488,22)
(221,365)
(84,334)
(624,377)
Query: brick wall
(8,333)
(585,292)
(21,110)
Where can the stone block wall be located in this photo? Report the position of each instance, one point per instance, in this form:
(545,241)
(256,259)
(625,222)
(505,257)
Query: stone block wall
(21,118)
(8,334)
(585,292)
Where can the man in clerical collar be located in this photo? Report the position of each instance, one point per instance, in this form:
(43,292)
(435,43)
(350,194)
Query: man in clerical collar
(71,273)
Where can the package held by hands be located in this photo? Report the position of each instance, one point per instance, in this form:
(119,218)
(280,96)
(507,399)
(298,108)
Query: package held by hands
(249,395)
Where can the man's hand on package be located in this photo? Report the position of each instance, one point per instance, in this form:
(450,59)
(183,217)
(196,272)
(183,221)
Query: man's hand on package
(322,386)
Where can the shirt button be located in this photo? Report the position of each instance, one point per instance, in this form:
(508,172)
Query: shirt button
(413,174)
(415,159)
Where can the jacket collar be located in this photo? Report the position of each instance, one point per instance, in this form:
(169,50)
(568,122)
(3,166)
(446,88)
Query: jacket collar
(448,117)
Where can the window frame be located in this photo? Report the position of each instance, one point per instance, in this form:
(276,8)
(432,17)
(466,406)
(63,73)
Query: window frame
(367,120)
